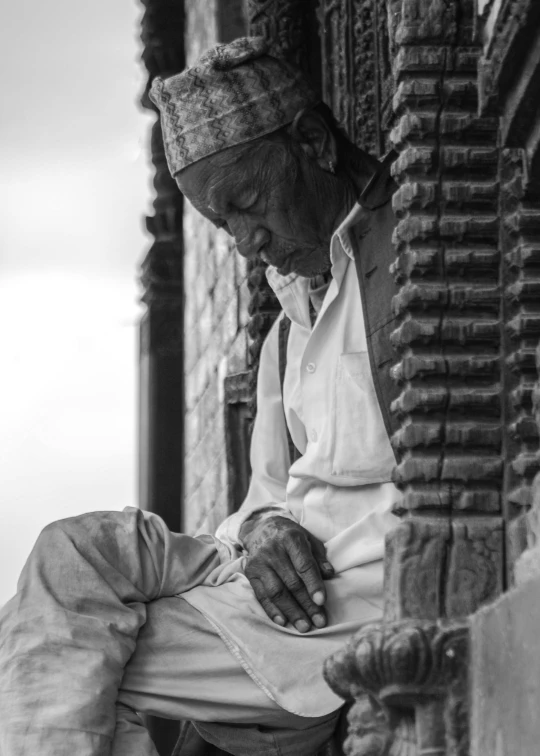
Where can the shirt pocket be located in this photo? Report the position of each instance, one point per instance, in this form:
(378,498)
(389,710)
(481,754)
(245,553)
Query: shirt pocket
(360,448)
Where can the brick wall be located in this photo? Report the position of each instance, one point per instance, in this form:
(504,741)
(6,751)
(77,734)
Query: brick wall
(216,299)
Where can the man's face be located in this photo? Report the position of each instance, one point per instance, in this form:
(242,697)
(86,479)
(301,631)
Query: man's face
(271,200)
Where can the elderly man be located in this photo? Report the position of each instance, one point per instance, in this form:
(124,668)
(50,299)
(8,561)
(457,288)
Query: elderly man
(116,616)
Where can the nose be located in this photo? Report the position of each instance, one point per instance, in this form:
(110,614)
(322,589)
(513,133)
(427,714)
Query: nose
(250,246)
(249,241)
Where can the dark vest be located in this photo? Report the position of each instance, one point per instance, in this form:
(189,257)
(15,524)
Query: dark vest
(374,253)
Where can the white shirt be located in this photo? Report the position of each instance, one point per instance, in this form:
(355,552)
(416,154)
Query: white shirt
(342,481)
(340,489)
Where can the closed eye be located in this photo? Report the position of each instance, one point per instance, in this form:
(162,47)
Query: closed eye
(222,224)
(248,203)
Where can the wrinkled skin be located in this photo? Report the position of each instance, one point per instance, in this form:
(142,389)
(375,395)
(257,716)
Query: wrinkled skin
(279,197)
(287,567)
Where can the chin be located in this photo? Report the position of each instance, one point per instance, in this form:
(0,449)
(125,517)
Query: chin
(311,269)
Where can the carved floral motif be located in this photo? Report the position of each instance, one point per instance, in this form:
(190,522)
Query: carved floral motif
(407,678)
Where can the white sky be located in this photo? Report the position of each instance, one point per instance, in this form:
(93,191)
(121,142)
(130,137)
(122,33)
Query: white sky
(74,185)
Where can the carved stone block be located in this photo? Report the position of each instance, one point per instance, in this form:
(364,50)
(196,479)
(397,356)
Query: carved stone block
(409,684)
(475,565)
(442,567)
(505,674)
(415,568)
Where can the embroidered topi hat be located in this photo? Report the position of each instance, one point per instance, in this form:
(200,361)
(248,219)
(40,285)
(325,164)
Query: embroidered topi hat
(235,93)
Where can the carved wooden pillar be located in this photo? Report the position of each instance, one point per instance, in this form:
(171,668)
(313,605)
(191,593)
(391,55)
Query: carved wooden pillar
(357,78)
(520,244)
(290,26)
(446,558)
(161,410)
(509,78)
(504,638)
(161,368)
(409,683)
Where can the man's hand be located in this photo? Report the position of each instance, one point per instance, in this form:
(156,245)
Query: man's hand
(286,567)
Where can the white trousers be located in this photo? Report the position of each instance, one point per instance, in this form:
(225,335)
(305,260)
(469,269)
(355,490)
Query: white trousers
(97,633)
(181,669)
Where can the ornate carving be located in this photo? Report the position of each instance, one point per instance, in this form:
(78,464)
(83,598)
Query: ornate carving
(336,23)
(507,26)
(356,68)
(373,732)
(284,23)
(238,421)
(438,567)
(441,561)
(230,20)
(162,270)
(161,351)
(448,267)
(391,668)
(510,77)
(520,242)
(161,389)
(508,73)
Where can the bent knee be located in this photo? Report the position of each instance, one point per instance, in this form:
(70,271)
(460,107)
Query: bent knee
(89,530)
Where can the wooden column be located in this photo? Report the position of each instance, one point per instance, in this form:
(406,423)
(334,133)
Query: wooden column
(161,359)
(446,558)
(161,388)
(357,79)
(505,644)
(509,81)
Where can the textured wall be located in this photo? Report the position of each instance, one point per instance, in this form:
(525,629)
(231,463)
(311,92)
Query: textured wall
(215,338)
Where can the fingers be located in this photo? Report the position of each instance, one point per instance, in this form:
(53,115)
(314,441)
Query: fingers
(283,595)
(293,580)
(326,568)
(277,601)
(286,568)
(262,597)
(305,555)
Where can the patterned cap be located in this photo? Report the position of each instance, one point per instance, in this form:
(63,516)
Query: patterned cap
(235,93)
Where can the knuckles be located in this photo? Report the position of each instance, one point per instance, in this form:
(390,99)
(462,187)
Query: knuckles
(276,592)
(254,567)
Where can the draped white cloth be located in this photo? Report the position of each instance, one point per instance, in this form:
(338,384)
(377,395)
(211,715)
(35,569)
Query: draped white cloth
(340,489)
(67,639)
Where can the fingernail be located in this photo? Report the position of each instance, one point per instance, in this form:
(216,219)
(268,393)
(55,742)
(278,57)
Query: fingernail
(302,626)
(319,620)
(328,567)
(278,620)
(318,598)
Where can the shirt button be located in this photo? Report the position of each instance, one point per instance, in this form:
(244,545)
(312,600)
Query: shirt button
(313,435)
(310,367)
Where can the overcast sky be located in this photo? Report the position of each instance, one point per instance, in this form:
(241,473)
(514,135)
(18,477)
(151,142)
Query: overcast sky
(74,185)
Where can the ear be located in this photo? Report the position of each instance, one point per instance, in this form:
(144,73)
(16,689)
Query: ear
(314,136)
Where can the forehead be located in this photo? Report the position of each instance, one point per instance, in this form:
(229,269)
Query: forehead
(217,176)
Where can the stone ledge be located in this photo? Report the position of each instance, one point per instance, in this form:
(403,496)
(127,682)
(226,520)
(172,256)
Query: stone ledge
(505,662)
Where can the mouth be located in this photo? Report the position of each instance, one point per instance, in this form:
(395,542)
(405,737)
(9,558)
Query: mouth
(286,267)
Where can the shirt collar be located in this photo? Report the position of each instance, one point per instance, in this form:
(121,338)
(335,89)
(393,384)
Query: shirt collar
(377,192)
(340,235)
(292,290)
